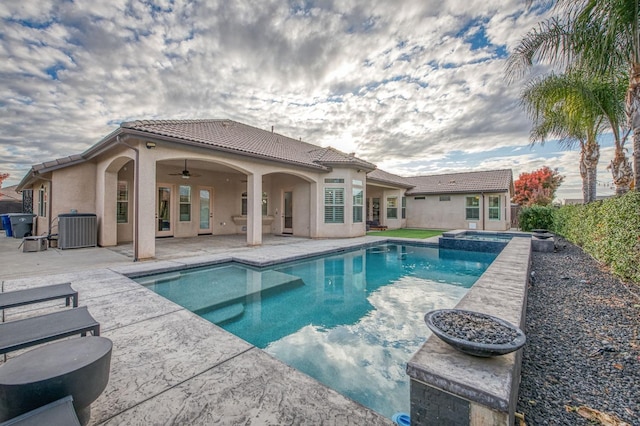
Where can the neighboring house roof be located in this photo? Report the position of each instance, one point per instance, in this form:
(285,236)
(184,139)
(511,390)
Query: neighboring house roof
(470,182)
(232,136)
(380,176)
(222,135)
(10,193)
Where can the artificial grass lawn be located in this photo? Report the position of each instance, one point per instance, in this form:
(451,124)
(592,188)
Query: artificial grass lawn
(407,233)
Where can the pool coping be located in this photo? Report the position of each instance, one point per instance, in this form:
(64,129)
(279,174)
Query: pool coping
(141,270)
(449,378)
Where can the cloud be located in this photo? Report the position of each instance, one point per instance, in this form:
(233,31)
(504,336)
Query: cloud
(393,82)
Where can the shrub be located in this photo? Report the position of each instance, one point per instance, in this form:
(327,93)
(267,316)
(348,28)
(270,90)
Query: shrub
(608,230)
(536,217)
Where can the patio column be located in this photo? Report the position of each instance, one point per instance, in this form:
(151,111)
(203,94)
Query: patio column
(145,206)
(315,215)
(254,209)
(105,200)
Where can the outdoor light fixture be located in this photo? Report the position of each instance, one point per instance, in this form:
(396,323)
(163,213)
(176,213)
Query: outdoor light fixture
(151,145)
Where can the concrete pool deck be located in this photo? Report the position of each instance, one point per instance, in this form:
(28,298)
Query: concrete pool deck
(170,366)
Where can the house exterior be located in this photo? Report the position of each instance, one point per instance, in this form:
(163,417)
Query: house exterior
(183,178)
(472,200)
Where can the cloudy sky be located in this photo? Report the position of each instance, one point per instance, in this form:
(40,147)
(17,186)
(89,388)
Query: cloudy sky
(416,87)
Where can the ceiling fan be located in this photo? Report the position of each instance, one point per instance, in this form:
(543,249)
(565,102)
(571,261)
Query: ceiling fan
(185,173)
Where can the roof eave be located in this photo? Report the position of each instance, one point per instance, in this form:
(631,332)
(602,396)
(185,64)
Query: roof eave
(162,138)
(34,174)
(358,166)
(462,191)
(389,183)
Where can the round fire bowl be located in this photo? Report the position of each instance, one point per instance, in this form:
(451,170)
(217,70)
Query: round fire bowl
(475,333)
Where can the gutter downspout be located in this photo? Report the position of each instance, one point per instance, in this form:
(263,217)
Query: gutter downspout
(136,203)
(483,212)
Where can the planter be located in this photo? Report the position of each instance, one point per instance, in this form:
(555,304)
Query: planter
(475,333)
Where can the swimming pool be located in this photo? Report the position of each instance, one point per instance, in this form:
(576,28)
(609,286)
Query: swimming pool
(351,321)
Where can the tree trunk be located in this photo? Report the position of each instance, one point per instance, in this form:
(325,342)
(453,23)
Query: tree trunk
(590,156)
(585,178)
(633,117)
(621,171)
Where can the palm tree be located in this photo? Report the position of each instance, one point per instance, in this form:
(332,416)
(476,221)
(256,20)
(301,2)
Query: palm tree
(571,108)
(601,37)
(609,95)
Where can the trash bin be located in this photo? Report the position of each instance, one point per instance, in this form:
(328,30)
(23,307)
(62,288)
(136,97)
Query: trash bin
(21,224)
(6,225)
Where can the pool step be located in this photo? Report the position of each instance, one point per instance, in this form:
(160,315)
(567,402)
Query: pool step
(225,313)
(259,283)
(210,289)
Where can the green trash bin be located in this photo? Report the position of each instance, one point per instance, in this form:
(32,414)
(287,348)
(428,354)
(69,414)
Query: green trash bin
(21,224)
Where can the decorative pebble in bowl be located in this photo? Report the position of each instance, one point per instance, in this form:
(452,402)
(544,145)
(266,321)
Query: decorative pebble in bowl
(475,333)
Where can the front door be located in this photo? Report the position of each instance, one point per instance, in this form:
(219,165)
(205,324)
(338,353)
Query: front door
(288,213)
(164,225)
(206,211)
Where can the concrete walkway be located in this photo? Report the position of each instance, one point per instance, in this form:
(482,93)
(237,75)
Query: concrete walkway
(170,366)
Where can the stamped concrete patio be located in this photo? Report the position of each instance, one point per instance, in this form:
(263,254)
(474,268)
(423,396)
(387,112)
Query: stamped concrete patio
(169,366)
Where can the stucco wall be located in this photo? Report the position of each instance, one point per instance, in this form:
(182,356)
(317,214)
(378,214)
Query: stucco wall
(74,188)
(280,184)
(384,194)
(427,211)
(348,228)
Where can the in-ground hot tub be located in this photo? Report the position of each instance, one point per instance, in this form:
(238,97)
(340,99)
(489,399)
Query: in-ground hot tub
(484,241)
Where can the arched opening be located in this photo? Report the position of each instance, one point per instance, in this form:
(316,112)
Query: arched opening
(116,214)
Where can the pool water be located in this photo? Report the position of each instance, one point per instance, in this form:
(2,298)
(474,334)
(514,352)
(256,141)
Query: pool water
(351,321)
(485,236)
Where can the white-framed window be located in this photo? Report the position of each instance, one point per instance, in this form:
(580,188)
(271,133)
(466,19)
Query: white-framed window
(185,203)
(265,204)
(404,207)
(334,205)
(392,207)
(494,207)
(445,198)
(122,204)
(472,208)
(358,201)
(42,201)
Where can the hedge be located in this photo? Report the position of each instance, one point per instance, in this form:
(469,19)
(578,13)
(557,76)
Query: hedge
(609,230)
(536,217)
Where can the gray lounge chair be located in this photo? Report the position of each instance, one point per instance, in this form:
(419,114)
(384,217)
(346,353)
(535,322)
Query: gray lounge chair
(57,413)
(12,299)
(32,331)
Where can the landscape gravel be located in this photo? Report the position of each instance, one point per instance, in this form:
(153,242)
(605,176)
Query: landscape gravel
(583,342)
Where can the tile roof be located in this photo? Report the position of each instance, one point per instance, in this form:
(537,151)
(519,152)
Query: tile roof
(9,192)
(233,136)
(487,181)
(380,176)
(60,162)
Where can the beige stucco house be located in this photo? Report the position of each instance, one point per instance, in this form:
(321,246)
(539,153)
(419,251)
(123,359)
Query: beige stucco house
(472,200)
(183,178)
